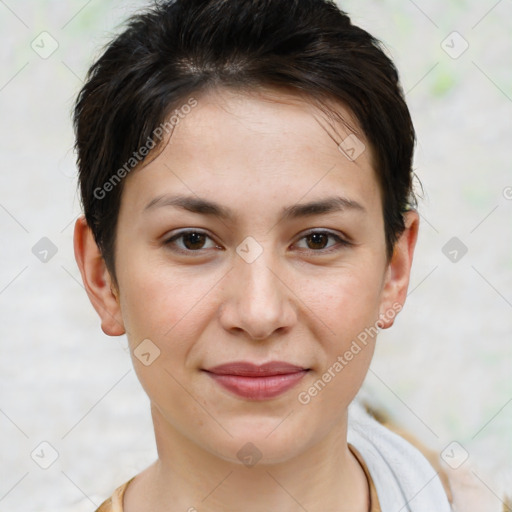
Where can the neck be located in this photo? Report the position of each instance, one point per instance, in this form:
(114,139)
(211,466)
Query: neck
(186,477)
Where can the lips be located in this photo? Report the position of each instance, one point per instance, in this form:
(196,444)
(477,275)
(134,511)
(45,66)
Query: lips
(257,382)
(247,369)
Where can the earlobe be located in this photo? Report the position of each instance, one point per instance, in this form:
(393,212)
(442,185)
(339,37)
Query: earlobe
(396,281)
(97,280)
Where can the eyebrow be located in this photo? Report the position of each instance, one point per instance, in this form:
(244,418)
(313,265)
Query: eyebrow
(210,208)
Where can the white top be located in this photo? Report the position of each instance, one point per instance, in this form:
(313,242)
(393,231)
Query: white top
(403,477)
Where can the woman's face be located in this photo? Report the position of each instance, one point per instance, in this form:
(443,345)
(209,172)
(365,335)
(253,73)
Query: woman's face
(238,269)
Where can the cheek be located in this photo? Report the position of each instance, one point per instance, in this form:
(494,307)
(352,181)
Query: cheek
(349,308)
(156,302)
(159,306)
(346,302)
(171,309)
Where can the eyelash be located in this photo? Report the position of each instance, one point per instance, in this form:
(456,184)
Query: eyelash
(341,242)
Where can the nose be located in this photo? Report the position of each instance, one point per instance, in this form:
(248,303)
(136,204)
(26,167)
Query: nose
(257,299)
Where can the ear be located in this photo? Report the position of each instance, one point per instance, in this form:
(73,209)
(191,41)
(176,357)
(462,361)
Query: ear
(97,280)
(396,281)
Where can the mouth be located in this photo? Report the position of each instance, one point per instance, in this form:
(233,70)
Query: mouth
(257,382)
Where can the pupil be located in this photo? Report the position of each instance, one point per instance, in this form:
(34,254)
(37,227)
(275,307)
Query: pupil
(196,238)
(316,236)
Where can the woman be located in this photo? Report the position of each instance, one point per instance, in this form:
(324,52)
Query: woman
(245,174)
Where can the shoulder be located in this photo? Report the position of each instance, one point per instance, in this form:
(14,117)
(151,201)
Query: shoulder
(466,491)
(472,491)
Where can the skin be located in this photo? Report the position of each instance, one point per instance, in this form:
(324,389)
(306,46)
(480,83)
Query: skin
(296,302)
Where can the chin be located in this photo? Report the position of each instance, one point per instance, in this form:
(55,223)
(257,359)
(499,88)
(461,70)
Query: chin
(259,444)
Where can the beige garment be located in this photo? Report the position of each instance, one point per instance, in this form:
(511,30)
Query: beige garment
(115,502)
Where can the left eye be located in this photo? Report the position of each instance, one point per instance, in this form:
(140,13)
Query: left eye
(320,238)
(194,241)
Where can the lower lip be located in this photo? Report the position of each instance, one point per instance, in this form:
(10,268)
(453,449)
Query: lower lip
(258,388)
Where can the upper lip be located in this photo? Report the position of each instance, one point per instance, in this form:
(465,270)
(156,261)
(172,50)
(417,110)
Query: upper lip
(247,369)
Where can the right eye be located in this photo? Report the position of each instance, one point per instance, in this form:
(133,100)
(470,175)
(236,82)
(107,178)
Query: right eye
(192,241)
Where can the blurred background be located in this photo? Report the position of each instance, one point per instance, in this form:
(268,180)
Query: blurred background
(74,421)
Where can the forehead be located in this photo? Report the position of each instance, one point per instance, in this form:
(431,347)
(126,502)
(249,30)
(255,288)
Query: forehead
(265,144)
(266,117)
